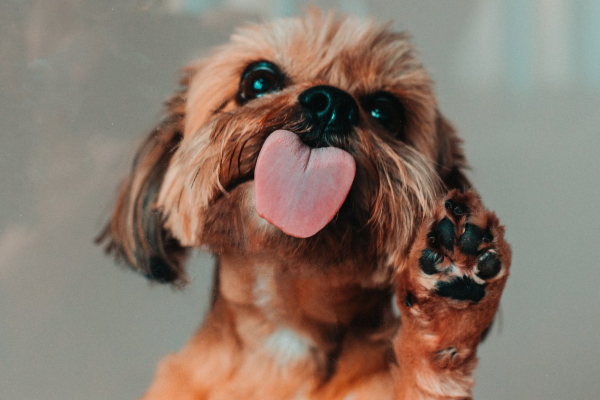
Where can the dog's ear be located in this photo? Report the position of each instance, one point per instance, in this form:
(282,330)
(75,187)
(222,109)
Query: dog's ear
(135,234)
(451,159)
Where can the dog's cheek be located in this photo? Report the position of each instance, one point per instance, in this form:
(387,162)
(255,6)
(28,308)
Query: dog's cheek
(177,207)
(190,184)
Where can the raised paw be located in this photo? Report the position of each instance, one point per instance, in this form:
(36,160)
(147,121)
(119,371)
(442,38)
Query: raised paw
(451,284)
(459,253)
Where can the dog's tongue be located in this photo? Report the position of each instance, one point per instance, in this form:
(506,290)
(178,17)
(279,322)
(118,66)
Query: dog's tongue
(297,188)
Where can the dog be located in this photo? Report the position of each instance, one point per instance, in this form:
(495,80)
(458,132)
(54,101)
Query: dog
(310,157)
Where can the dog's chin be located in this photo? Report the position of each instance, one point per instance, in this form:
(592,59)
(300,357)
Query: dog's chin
(233,225)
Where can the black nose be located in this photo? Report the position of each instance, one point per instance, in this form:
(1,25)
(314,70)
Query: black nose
(330,109)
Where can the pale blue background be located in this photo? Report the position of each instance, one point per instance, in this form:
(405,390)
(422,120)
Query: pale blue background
(81,81)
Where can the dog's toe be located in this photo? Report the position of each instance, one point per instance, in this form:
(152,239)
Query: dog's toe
(488,265)
(463,251)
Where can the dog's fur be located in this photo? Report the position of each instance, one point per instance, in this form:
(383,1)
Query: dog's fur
(306,318)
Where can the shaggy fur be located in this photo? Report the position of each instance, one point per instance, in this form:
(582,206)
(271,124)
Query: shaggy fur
(312,318)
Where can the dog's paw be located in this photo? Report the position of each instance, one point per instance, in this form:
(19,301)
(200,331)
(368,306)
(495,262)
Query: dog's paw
(451,284)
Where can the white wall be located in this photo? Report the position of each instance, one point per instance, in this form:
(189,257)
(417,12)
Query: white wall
(82,81)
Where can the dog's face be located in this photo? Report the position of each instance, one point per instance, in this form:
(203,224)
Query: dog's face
(334,82)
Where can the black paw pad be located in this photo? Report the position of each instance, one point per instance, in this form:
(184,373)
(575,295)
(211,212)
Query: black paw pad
(446,232)
(463,288)
(489,266)
(471,239)
(429,259)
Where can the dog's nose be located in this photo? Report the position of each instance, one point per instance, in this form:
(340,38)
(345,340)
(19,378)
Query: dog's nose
(330,108)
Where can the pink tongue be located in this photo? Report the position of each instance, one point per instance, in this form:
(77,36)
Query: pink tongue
(299,189)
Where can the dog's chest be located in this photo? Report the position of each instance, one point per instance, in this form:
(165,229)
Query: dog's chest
(287,347)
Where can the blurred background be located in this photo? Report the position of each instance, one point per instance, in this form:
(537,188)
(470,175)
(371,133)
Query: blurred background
(82,81)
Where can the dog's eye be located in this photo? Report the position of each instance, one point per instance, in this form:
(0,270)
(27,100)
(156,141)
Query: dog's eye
(259,78)
(387,110)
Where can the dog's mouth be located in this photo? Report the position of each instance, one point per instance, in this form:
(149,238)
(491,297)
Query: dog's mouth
(300,189)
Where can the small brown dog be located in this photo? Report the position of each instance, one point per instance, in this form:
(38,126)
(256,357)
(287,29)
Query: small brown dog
(310,157)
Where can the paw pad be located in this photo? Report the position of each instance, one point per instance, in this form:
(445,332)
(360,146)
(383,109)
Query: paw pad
(461,250)
(446,233)
(461,288)
(472,238)
(488,266)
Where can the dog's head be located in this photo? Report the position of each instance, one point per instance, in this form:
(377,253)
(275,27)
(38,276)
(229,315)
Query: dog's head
(327,82)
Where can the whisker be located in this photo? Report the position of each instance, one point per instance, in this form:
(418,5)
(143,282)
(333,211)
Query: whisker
(195,176)
(240,154)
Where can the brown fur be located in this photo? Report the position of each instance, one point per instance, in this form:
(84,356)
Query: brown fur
(295,318)
(436,347)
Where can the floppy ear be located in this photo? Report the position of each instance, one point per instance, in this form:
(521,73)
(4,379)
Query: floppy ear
(135,233)
(451,160)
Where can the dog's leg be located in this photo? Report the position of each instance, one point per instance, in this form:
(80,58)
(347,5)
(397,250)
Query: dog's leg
(448,293)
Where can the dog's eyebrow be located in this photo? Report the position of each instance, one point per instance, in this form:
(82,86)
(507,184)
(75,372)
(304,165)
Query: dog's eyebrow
(221,107)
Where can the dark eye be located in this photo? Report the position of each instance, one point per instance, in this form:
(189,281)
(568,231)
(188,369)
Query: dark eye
(387,110)
(259,78)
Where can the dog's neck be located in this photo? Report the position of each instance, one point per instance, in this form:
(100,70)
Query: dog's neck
(296,313)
